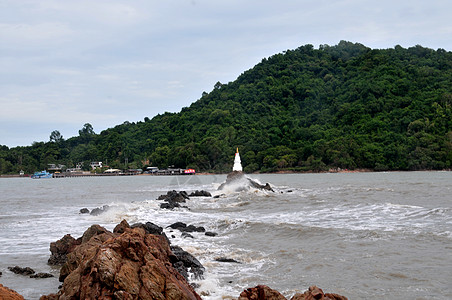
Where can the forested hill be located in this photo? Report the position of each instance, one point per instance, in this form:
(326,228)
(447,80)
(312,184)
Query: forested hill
(345,106)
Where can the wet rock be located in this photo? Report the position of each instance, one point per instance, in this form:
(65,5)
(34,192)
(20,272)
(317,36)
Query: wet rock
(131,265)
(315,293)
(1,274)
(41,275)
(174,196)
(228,260)
(185,262)
(149,227)
(61,248)
(187,228)
(99,210)
(201,193)
(21,271)
(239,182)
(260,292)
(187,235)
(209,233)
(173,199)
(6,293)
(178,225)
(84,211)
(170,205)
(193,228)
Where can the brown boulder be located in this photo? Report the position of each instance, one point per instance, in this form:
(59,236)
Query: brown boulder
(133,265)
(260,292)
(9,294)
(61,248)
(315,293)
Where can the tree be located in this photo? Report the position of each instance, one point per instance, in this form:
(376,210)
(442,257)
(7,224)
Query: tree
(86,130)
(56,136)
(86,133)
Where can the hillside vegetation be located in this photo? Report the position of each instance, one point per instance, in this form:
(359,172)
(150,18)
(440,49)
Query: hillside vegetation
(345,106)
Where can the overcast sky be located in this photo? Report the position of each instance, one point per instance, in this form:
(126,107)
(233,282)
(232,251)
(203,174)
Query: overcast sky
(67,63)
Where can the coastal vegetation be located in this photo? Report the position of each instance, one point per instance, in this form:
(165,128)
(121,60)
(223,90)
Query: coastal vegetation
(336,107)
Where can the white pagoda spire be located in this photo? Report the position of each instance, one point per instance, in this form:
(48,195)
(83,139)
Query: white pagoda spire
(237,163)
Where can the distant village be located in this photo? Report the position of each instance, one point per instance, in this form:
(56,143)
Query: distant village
(99,169)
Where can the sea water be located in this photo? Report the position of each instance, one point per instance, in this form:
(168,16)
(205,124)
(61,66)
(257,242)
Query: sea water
(361,235)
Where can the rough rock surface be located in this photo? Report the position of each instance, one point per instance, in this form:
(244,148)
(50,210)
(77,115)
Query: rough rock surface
(21,271)
(9,294)
(173,199)
(263,292)
(61,248)
(239,182)
(201,193)
(260,292)
(131,265)
(315,293)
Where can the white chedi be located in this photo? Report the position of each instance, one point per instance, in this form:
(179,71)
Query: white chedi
(237,163)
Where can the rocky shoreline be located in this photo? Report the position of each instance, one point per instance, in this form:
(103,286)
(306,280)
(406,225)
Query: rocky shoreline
(134,262)
(137,261)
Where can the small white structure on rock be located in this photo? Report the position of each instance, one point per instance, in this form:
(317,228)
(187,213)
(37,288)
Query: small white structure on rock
(237,163)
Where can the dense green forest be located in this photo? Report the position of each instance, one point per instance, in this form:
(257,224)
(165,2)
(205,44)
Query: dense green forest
(345,106)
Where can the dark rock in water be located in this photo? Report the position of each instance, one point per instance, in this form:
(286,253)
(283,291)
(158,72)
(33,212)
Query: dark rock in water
(149,227)
(201,193)
(228,260)
(41,275)
(192,228)
(99,210)
(173,199)
(178,225)
(21,271)
(174,196)
(240,182)
(187,228)
(169,205)
(208,233)
(189,262)
(187,235)
(1,274)
(84,211)
(61,248)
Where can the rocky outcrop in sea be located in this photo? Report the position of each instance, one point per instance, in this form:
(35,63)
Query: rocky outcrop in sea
(238,181)
(128,263)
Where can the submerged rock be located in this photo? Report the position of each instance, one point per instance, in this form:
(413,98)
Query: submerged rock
(201,193)
(237,181)
(228,260)
(41,275)
(84,211)
(99,210)
(21,271)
